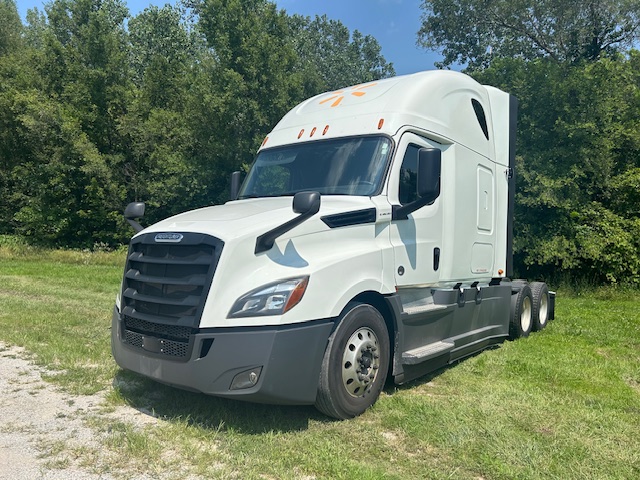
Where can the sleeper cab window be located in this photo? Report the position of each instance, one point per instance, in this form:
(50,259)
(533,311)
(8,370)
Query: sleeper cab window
(482,119)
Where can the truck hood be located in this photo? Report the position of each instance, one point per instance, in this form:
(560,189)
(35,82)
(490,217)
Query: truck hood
(253,217)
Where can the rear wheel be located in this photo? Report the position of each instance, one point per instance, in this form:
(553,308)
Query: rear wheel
(540,293)
(521,311)
(355,364)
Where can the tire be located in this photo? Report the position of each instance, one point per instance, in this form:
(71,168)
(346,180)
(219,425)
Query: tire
(541,303)
(521,311)
(355,364)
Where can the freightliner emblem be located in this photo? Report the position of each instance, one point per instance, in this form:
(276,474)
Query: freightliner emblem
(168,237)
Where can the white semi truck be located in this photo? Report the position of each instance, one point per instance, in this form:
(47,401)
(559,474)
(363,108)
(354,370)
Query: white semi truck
(371,240)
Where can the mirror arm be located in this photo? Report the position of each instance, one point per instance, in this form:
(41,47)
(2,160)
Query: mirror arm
(401,212)
(136,226)
(265,241)
(307,204)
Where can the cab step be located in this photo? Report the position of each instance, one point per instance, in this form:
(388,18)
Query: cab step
(415,310)
(421,354)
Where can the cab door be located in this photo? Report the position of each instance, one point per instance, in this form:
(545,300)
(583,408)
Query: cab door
(417,240)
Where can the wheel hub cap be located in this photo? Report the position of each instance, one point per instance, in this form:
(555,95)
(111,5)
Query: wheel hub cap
(360,362)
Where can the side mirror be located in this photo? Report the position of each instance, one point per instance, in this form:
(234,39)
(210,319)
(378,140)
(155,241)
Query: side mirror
(236,180)
(306,202)
(428,182)
(134,210)
(429,168)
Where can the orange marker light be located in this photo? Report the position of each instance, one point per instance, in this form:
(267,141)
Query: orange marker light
(312,132)
(296,295)
(265,141)
(301,133)
(326,129)
(500,272)
(380,123)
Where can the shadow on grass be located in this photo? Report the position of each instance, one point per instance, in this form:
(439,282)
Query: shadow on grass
(220,414)
(211,413)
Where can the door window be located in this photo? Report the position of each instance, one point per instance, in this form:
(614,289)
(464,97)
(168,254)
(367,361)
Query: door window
(408,191)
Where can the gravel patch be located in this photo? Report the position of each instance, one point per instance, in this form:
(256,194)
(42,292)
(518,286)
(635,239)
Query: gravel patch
(42,429)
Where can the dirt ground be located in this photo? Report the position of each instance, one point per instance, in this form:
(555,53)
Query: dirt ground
(42,429)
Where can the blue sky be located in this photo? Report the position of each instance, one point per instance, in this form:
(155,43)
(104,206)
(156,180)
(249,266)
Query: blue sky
(394,23)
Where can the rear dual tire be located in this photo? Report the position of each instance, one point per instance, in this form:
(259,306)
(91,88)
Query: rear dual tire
(521,322)
(541,304)
(530,304)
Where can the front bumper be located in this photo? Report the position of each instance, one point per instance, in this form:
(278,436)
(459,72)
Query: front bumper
(290,357)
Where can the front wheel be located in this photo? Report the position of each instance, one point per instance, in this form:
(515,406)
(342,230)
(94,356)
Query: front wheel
(355,364)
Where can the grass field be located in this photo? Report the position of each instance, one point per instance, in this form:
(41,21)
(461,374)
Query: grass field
(564,403)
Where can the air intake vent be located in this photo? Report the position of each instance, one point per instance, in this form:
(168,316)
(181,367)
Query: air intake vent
(348,219)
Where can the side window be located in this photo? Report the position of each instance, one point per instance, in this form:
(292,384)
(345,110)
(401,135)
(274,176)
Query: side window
(408,191)
(482,119)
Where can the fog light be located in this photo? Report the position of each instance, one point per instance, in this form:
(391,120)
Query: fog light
(246,379)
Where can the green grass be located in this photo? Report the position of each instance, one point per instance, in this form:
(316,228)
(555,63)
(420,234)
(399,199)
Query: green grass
(564,403)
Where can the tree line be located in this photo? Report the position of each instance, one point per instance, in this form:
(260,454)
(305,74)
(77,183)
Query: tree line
(99,108)
(576,74)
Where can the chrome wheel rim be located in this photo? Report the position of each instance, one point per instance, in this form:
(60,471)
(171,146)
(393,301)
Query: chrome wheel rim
(360,362)
(525,314)
(542,312)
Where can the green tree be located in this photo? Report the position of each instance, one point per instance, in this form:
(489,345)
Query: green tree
(69,177)
(331,57)
(35,30)
(10,27)
(163,51)
(67,190)
(248,83)
(16,78)
(98,109)
(474,32)
(578,166)
(86,63)
(578,145)
(165,56)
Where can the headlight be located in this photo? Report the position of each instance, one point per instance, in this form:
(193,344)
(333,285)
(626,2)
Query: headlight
(272,299)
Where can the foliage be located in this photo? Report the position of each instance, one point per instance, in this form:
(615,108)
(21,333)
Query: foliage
(332,58)
(578,165)
(474,32)
(10,27)
(572,67)
(98,108)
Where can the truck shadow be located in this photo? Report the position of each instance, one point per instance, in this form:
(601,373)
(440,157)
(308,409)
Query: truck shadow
(211,413)
(220,414)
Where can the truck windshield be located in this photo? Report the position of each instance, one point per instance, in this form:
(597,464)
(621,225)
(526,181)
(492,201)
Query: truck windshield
(346,166)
